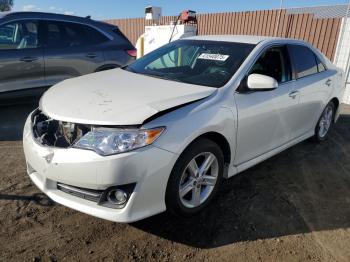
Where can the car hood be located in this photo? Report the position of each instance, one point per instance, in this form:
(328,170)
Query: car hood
(116,97)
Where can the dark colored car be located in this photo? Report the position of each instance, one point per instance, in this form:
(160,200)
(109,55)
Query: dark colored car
(38,50)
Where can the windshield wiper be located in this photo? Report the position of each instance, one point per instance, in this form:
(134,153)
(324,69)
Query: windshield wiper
(128,68)
(164,77)
(152,74)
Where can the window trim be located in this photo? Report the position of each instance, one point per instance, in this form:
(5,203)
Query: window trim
(294,65)
(109,36)
(317,58)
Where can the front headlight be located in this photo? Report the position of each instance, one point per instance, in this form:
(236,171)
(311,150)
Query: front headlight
(113,141)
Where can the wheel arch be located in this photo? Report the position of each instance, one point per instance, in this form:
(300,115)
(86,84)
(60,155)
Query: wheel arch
(336,103)
(216,138)
(220,140)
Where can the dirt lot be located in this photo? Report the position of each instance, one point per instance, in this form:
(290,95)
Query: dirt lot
(293,207)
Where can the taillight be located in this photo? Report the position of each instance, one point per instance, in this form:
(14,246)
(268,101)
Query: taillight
(132,52)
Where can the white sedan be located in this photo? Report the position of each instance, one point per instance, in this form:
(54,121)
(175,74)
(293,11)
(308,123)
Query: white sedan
(162,133)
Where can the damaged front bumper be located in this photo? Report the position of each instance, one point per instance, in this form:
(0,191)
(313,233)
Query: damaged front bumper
(147,169)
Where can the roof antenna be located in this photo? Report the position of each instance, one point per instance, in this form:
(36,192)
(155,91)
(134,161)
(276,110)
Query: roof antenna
(278,19)
(88,17)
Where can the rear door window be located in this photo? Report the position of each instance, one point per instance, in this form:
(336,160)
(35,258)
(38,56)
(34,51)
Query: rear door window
(66,34)
(304,60)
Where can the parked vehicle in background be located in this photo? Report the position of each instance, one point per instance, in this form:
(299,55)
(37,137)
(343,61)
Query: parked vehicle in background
(38,50)
(163,132)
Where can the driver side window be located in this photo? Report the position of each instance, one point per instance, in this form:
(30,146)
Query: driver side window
(274,62)
(19,35)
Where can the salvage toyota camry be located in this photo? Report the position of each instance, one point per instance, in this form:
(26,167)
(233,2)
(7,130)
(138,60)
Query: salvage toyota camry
(162,133)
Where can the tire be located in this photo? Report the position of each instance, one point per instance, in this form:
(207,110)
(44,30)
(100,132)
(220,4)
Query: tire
(325,123)
(182,175)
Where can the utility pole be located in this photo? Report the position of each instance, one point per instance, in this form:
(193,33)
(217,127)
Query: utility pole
(278,19)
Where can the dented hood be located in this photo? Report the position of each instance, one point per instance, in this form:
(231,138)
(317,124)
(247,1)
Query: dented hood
(116,97)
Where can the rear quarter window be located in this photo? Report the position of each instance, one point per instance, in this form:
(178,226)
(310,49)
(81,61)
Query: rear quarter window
(93,36)
(119,33)
(320,66)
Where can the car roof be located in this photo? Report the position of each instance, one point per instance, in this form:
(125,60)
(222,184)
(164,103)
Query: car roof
(248,39)
(255,40)
(38,14)
(43,15)
(2,14)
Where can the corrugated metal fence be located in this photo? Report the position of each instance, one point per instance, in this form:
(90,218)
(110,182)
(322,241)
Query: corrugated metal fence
(322,33)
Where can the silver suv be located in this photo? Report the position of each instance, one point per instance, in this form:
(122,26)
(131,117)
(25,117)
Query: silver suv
(38,50)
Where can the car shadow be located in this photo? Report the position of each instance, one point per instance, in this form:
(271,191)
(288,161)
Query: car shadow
(39,199)
(303,189)
(12,119)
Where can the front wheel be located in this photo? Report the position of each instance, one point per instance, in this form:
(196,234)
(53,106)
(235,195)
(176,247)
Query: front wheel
(325,123)
(195,178)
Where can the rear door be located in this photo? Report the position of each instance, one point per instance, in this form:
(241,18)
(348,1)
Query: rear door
(314,84)
(21,56)
(71,50)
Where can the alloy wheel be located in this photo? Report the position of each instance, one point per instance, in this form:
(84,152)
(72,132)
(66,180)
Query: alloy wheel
(325,121)
(198,179)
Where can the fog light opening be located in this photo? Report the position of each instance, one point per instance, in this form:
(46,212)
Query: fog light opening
(117,196)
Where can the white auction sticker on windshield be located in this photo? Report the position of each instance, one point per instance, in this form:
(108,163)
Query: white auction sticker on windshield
(215,57)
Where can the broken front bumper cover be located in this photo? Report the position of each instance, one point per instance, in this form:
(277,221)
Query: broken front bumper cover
(148,168)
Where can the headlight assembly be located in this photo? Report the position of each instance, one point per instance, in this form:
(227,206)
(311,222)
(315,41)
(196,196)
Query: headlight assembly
(107,141)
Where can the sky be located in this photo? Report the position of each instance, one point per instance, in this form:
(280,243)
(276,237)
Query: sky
(103,9)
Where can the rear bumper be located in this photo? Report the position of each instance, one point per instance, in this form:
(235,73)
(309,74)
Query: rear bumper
(149,168)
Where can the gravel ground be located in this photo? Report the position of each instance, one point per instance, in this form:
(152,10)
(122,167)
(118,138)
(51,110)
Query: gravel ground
(292,207)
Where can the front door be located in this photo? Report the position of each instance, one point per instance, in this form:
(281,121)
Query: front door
(265,117)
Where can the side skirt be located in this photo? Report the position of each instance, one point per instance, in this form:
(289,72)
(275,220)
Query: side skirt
(240,168)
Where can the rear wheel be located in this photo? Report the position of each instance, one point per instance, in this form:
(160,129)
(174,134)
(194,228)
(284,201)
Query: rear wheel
(325,123)
(195,178)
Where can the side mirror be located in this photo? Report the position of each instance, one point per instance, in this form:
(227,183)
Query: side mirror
(261,82)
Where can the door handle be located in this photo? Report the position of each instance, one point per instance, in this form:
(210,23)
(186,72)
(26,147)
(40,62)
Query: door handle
(328,82)
(293,94)
(91,55)
(28,59)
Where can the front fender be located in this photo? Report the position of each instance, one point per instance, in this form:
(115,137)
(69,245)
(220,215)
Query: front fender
(186,124)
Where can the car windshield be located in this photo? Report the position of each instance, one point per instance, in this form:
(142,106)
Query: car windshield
(206,63)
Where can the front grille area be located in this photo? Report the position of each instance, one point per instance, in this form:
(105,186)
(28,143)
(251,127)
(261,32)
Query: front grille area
(88,194)
(54,133)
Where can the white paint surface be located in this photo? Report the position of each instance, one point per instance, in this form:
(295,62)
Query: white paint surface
(341,59)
